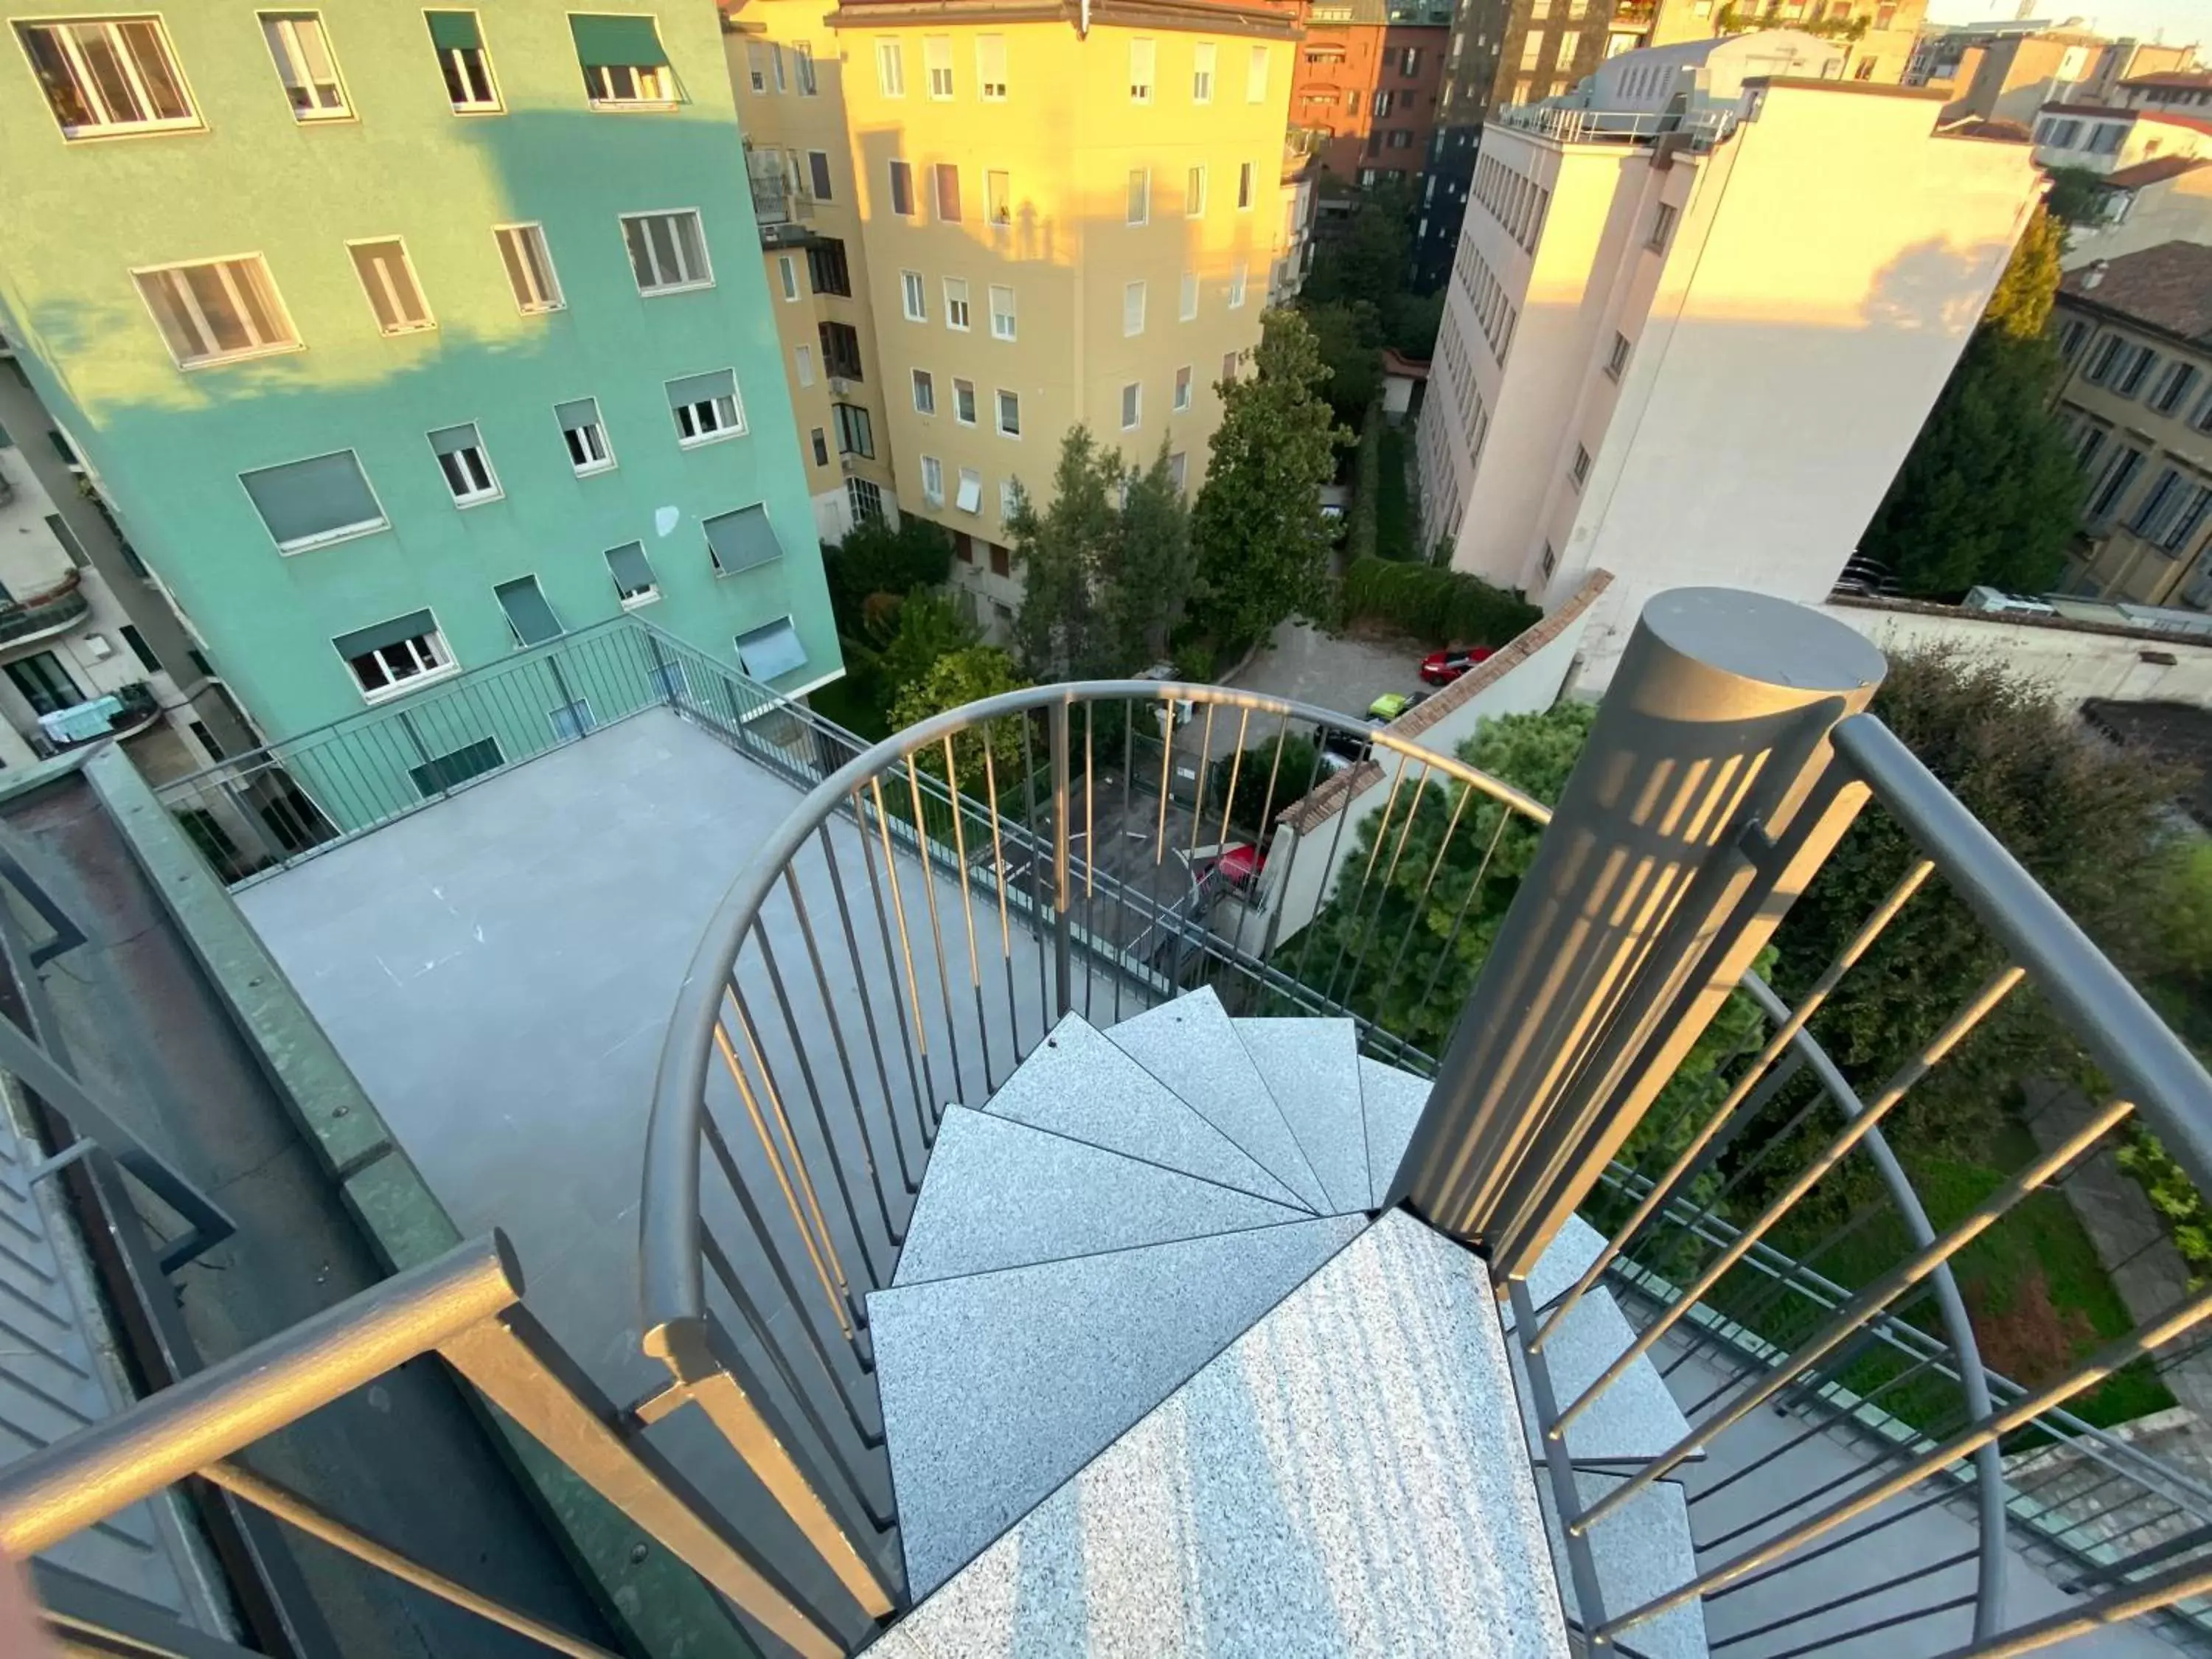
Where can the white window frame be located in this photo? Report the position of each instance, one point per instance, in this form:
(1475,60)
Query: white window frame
(913,296)
(1183,377)
(969,419)
(688,284)
(532,230)
(1005,323)
(496,104)
(920,379)
(933,481)
(802,57)
(1236,278)
(935,48)
(998,198)
(281,28)
(1137,208)
(913,209)
(718,425)
(600,84)
(476,495)
(957,315)
(1144,69)
(407,259)
(1202,58)
(1193,200)
(436,662)
(1009,499)
(1255,76)
(88,85)
(587,469)
(890,56)
(182,292)
(344,532)
(1133,308)
(1132,406)
(1188,311)
(970,476)
(999,397)
(787,271)
(803,355)
(643,596)
(990,91)
(1248,187)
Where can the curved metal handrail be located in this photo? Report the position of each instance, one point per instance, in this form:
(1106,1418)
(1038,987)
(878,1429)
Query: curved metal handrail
(674,1289)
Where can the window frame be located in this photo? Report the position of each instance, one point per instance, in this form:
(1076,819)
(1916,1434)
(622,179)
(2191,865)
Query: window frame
(660,290)
(608,461)
(1143,93)
(438,671)
(1204,61)
(1663,222)
(999,400)
(1616,362)
(328,538)
(1135,302)
(1010,315)
(891,51)
(538,587)
(931,466)
(1193,289)
(930,70)
(86,85)
(1247,186)
(290,17)
(1257,74)
(559,302)
(940,173)
(970,417)
(1137,206)
(672,99)
(492,491)
(736,427)
(1193,201)
(984,84)
(1133,405)
(958,308)
(923,385)
(483,49)
(407,260)
(277,299)
(998,198)
(969,474)
(1184,375)
(913,296)
(896,165)
(1578,470)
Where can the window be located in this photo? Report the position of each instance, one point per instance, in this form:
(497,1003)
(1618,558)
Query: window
(970,498)
(955,303)
(467,469)
(903,190)
(667,251)
(1183,388)
(933,481)
(2129,379)
(774,650)
(1244,187)
(2102,359)
(856,435)
(1132,405)
(706,407)
(108,75)
(387,277)
(218,311)
(45,683)
(803,357)
(802,57)
(948,193)
(821,441)
(623,63)
(1140,195)
(818,174)
(1002,312)
(1617,362)
(2180,379)
(1201,73)
(314,503)
(757,65)
(462,60)
(787,275)
(529,267)
(390,657)
(571,721)
(1580,472)
(1236,289)
(1563,53)
(304,64)
(1178,470)
(1009,414)
(925,392)
(991,67)
(1002,561)
(1409,62)
(827,268)
(1662,226)
(743,540)
(937,61)
(527,613)
(1229,360)
(963,547)
(998,198)
(840,349)
(911,293)
(2113,486)
(1255,76)
(585,435)
(2184,513)
(1141,56)
(775,64)
(1532,51)
(1190,296)
(963,402)
(1133,308)
(890,68)
(1193,193)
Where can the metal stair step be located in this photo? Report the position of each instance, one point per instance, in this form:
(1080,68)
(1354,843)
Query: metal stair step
(1311,1067)
(1189,1045)
(997,1387)
(1076,1083)
(1343,1478)
(1641,1551)
(1001,1194)
(1392,1101)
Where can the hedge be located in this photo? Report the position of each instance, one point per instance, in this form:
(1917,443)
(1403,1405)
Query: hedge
(1445,607)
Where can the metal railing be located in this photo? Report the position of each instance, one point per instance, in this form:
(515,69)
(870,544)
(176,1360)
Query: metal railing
(37,614)
(1698,129)
(939,900)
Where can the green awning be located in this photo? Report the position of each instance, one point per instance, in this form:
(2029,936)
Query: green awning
(743,539)
(525,607)
(455,31)
(322,497)
(633,570)
(765,652)
(451,439)
(702,388)
(363,641)
(617,42)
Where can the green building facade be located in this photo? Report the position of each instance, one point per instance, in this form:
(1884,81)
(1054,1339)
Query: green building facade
(405,340)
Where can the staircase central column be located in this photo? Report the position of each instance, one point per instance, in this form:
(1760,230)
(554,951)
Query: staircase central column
(1708,795)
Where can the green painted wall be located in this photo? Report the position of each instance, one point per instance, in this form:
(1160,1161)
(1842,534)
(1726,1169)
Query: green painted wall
(169,444)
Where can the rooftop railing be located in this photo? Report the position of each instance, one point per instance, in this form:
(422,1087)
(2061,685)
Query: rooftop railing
(1698,129)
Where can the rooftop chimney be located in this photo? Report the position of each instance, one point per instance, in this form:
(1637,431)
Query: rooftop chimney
(2095,274)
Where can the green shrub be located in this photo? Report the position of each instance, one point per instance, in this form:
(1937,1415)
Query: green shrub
(2175,1196)
(874,559)
(1445,607)
(1292,773)
(1395,528)
(1362,523)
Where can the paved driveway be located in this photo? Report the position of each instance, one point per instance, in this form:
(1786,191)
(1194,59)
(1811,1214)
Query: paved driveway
(1345,674)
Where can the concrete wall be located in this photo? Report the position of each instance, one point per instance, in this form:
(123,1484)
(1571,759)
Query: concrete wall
(2079,661)
(2176,209)
(169,444)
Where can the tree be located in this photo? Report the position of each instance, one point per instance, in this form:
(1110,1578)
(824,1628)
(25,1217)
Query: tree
(873,558)
(2074,196)
(964,676)
(1149,581)
(1268,776)
(917,630)
(1365,259)
(1262,545)
(1349,337)
(1990,491)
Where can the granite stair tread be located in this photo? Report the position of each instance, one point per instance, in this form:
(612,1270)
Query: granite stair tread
(1001,1194)
(1633,1421)
(997,1387)
(1077,1084)
(1190,1046)
(1311,1067)
(1640,1551)
(1338,1480)
(1392,1101)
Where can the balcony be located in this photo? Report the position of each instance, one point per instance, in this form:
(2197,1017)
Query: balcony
(122,713)
(1698,129)
(779,206)
(43,615)
(1039,1231)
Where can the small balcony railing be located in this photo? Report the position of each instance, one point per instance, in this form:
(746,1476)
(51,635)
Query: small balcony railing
(39,615)
(114,714)
(1699,130)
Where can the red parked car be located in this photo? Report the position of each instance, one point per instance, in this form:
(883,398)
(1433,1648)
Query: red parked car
(1443,667)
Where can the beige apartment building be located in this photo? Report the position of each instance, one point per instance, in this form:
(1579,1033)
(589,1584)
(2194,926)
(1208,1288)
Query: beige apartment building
(1876,36)
(2107,138)
(2009,73)
(2166,199)
(2136,333)
(1038,225)
(1693,347)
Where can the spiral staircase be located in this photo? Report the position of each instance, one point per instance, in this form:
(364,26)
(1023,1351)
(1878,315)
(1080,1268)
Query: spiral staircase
(1160,1375)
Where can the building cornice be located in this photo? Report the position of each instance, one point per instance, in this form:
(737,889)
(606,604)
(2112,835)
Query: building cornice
(1192,16)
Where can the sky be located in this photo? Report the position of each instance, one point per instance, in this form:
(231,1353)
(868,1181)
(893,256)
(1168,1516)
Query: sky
(2179,20)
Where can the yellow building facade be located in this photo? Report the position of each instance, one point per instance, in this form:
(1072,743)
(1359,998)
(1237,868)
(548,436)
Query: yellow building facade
(1052,215)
